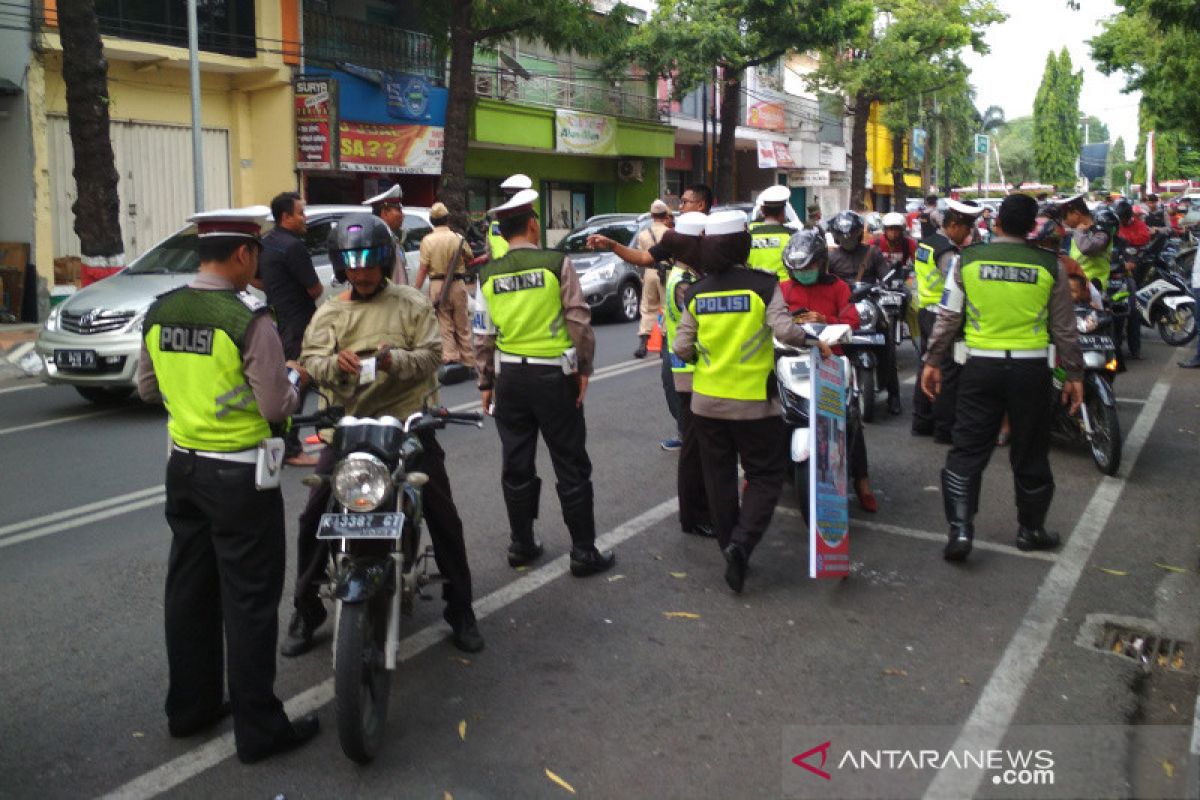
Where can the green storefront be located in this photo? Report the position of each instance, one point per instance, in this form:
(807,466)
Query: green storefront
(581,163)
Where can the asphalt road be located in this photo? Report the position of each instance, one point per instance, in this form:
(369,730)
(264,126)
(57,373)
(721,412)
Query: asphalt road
(593,680)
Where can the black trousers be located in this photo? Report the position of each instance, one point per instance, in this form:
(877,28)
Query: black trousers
(693,499)
(987,390)
(762,447)
(291,333)
(441,518)
(935,416)
(886,370)
(533,398)
(674,401)
(224,581)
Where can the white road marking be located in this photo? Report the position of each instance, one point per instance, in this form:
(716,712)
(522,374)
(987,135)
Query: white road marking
(208,755)
(993,713)
(611,371)
(24,388)
(47,423)
(18,352)
(1132,400)
(930,536)
(80,510)
(38,533)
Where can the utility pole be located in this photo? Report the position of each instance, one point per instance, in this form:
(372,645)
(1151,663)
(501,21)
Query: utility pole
(194,74)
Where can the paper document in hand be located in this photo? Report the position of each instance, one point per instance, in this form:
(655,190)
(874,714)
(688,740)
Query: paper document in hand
(835,334)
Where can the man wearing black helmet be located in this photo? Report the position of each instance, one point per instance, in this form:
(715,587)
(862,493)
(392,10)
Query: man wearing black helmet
(1091,237)
(1132,236)
(391,331)
(854,261)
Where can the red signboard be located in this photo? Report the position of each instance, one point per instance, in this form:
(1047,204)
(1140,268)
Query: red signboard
(316,122)
(404,149)
(768,116)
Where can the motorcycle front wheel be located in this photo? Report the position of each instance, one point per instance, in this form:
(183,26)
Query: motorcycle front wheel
(1105,441)
(866,393)
(1178,327)
(362,684)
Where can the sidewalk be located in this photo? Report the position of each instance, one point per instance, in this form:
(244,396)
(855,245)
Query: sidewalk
(16,343)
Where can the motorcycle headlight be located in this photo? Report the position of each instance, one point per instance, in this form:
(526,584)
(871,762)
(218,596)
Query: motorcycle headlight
(867,314)
(361,482)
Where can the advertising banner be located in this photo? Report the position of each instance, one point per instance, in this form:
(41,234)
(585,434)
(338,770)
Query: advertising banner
(316,122)
(413,100)
(580,132)
(775,155)
(828,513)
(767,116)
(401,149)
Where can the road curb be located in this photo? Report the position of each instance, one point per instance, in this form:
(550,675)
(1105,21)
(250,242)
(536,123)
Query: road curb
(16,343)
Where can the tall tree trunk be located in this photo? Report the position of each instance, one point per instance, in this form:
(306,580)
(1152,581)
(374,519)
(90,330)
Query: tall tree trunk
(899,187)
(97,204)
(731,112)
(453,190)
(858,152)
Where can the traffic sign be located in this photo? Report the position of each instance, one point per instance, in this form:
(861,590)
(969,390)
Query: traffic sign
(981,144)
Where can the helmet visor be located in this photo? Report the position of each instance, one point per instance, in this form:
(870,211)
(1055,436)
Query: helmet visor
(363,257)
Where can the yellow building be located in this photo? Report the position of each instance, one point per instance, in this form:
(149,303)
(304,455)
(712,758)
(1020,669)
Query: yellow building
(879,161)
(246,114)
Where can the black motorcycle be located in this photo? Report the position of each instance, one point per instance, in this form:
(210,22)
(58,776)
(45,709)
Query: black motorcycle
(1096,423)
(376,561)
(881,309)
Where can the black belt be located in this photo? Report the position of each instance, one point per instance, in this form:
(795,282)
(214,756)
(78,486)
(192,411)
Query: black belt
(458,276)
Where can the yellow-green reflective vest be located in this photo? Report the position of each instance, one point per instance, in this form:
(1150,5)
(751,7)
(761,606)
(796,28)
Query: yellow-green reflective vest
(930,280)
(1007,289)
(523,296)
(497,244)
(195,338)
(734,349)
(768,240)
(1094,267)
(672,313)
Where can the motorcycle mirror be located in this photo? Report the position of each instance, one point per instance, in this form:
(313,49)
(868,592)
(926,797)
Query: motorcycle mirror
(417,479)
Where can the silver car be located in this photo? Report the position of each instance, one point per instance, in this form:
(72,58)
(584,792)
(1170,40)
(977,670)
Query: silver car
(610,285)
(92,339)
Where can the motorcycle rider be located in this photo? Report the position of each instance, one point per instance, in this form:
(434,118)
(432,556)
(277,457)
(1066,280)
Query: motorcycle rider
(1091,237)
(1156,216)
(855,261)
(769,237)
(934,255)
(397,326)
(1133,234)
(813,295)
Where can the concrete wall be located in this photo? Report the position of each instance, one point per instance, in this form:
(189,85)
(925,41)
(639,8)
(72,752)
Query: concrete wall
(16,144)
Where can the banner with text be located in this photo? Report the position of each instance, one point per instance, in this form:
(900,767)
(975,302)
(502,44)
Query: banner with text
(828,513)
(580,132)
(766,116)
(402,149)
(316,122)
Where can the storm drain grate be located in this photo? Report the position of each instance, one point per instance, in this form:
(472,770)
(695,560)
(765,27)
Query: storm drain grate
(1148,649)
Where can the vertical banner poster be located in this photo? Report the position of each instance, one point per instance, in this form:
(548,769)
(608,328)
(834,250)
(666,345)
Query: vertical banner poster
(828,513)
(316,122)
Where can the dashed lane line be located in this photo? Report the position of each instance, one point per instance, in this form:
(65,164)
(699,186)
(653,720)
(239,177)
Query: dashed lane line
(48,422)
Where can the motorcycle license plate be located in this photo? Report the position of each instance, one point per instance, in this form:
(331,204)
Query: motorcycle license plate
(361,526)
(867,338)
(1095,343)
(891,301)
(75,359)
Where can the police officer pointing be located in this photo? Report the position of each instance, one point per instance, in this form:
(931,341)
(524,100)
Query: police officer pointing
(212,356)
(533,350)
(769,238)
(1016,306)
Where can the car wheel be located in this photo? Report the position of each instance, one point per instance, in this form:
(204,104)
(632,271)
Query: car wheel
(104,395)
(628,302)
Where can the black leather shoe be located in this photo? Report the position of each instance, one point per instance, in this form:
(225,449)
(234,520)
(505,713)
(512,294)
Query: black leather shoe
(181,730)
(591,561)
(521,553)
(1193,363)
(303,729)
(959,546)
(466,635)
(894,407)
(1036,539)
(304,623)
(736,562)
(702,529)
(642,347)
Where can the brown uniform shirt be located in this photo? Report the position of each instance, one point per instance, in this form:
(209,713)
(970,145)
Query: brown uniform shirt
(437,252)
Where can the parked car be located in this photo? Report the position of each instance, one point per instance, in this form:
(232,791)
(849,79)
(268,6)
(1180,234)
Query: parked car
(92,339)
(611,285)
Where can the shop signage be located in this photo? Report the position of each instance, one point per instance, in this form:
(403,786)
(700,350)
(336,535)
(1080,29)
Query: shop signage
(409,98)
(918,145)
(828,512)
(808,177)
(775,155)
(403,149)
(316,122)
(580,132)
(767,116)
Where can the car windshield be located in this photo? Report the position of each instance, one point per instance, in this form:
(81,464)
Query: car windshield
(619,232)
(176,255)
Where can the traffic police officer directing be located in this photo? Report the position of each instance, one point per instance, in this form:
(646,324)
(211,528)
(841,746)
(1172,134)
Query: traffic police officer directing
(533,349)
(1017,309)
(212,356)
(769,238)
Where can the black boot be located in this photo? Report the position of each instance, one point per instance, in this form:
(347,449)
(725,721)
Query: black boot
(641,350)
(308,616)
(466,635)
(1032,507)
(580,518)
(736,562)
(960,496)
(522,504)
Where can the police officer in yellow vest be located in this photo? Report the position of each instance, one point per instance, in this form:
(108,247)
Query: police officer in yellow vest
(497,244)
(533,349)
(1017,310)
(212,356)
(932,262)
(769,238)
(726,330)
(1091,244)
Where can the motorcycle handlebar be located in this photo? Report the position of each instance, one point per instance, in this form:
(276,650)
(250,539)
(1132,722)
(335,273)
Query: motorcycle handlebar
(323,417)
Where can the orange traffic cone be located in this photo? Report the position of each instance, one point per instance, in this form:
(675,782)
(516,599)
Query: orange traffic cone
(655,343)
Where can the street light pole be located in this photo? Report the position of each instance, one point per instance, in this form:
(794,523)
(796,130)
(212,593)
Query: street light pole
(194,74)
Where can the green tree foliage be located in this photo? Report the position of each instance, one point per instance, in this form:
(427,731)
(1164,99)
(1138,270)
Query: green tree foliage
(992,119)
(686,40)
(1056,132)
(1096,130)
(1015,142)
(913,48)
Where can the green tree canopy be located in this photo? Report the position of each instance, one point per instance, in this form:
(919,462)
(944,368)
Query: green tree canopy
(1096,130)
(1056,132)
(1015,142)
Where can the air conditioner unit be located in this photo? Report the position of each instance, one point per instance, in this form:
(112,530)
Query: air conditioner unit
(631,170)
(483,85)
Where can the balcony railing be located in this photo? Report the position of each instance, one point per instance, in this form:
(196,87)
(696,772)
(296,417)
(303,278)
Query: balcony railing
(329,40)
(551,92)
